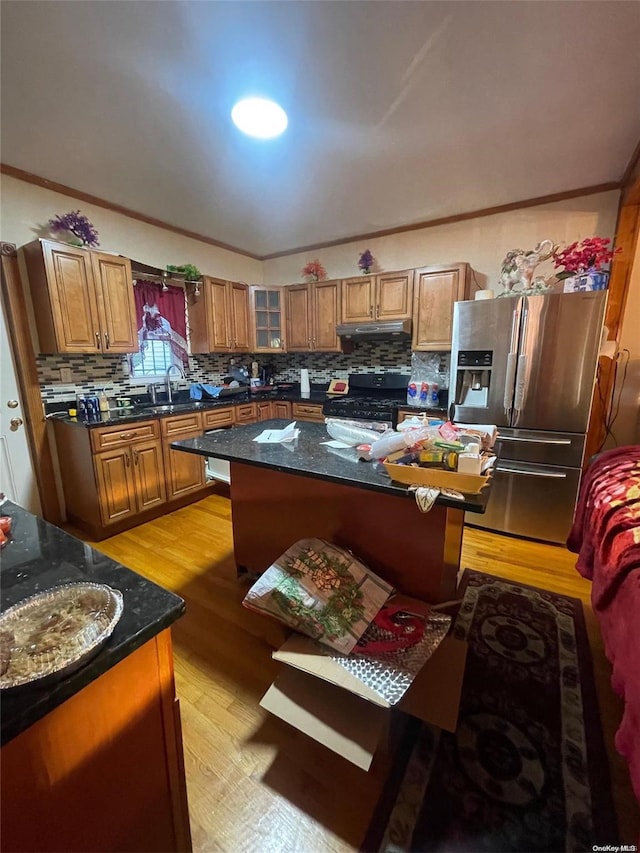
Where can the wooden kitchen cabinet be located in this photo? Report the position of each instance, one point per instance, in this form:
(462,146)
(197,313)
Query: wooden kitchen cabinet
(265,410)
(388,296)
(282,409)
(218,418)
(435,292)
(83,300)
(312,316)
(185,472)
(268,319)
(111,473)
(298,319)
(246,413)
(219,316)
(307,412)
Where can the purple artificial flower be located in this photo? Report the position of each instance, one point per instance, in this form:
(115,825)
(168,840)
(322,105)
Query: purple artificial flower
(78,225)
(366,261)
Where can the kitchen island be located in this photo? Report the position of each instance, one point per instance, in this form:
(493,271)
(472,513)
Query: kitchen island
(93,761)
(284,492)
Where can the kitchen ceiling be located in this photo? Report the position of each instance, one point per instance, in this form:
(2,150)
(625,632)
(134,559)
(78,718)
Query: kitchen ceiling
(399,112)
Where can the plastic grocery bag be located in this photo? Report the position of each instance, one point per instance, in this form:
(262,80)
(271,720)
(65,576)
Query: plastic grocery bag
(322,591)
(424,382)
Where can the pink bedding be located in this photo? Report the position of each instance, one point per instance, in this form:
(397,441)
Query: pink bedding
(606,537)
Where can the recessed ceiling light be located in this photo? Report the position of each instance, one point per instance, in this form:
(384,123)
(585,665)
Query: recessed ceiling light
(259,117)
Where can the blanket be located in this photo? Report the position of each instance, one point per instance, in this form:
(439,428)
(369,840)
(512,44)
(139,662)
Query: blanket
(606,527)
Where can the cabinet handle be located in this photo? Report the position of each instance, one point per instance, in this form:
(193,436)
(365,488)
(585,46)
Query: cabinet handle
(127,461)
(98,340)
(126,434)
(106,340)
(371,311)
(135,457)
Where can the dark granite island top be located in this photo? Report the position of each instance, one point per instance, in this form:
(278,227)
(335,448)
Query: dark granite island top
(308,457)
(39,556)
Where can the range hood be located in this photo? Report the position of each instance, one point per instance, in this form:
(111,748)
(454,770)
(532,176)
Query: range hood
(383,330)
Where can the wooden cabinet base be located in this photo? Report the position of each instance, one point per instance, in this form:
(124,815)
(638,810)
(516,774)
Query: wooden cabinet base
(104,771)
(419,553)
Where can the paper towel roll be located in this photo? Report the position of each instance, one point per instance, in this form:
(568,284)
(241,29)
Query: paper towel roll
(484,294)
(305,388)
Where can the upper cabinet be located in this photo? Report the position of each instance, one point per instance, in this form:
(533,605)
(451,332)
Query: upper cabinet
(387,296)
(267,304)
(436,290)
(219,316)
(83,300)
(312,314)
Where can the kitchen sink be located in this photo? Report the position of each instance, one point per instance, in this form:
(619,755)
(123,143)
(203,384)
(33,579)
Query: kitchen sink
(168,408)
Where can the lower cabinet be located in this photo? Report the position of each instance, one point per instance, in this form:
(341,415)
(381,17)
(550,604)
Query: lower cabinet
(282,409)
(307,412)
(246,413)
(185,472)
(265,410)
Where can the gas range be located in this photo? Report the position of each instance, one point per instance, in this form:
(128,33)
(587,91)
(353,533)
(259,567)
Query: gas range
(371,397)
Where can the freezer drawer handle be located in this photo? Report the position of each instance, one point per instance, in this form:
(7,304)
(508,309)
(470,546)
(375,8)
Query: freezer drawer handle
(536,440)
(531,473)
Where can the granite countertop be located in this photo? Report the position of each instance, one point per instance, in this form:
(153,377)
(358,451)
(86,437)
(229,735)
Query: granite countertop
(39,556)
(182,403)
(307,457)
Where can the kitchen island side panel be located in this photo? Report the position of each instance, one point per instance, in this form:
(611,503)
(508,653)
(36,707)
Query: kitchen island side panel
(419,553)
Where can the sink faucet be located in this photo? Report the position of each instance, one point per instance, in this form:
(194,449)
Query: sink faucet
(168,379)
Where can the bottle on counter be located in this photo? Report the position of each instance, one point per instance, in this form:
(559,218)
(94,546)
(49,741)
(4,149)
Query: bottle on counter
(81,408)
(103,401)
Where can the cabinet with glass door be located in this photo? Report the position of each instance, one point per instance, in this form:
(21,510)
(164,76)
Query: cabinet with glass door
(267,313)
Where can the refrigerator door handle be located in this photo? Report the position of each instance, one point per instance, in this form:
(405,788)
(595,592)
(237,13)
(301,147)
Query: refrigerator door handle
(536,440)
(544,474)
(512,360)
(521,381)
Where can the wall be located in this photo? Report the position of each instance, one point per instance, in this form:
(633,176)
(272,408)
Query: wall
(482,242)
(26,208)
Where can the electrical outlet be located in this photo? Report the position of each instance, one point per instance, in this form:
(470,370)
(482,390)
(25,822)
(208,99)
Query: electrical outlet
(65,375)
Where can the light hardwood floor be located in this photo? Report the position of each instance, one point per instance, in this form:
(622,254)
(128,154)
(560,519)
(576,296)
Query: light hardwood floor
(255,784)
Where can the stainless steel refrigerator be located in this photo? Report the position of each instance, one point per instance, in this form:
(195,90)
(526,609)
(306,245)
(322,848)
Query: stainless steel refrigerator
(528,365)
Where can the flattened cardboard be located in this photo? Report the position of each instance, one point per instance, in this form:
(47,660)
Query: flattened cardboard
(330,715)
(317,697)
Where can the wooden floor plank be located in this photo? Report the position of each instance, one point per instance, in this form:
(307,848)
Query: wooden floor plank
(254,783)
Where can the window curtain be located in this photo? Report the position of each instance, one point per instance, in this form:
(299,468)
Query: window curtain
(161,314)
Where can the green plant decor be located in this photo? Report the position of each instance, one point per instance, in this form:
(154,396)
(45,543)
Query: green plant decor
(189,271)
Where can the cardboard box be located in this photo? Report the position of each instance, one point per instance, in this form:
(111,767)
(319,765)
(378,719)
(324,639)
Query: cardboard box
(318,697)
(411,475)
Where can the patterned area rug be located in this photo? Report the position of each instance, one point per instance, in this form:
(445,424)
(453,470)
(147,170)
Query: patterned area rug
(526,769)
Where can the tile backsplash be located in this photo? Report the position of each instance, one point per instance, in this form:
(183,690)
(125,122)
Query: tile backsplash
(91,373)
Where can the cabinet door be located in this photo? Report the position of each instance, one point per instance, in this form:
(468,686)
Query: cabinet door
(246,413)
(282,409)
(436,290)
(326,308)
(394,296)
(116,306)
(265,411)
(358,299)
(298,317)
(184,471)
(116,487)
(72,296)
(267,316)
(218,307)
(148,472)
(239,312)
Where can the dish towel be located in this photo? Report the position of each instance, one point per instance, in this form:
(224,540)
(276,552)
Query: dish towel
(426,496)
(197,389)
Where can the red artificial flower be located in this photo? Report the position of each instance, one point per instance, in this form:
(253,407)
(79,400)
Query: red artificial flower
(589,254)
(314,271)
